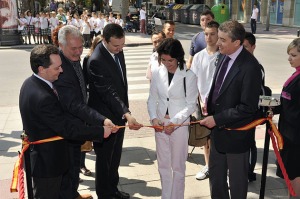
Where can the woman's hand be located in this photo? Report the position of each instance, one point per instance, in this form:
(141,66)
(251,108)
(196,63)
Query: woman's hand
(169,129)
(158,125)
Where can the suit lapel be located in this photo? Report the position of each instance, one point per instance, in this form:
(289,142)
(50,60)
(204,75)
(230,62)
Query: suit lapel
(178,76)
(44,85)
(233,71)
(163,73)
(111,62)
(229,77)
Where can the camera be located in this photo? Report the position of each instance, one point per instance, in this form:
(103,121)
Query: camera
(268,101)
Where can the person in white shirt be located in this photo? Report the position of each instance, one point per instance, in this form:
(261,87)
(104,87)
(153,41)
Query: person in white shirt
(30,25)
(53,21)
(44,27)
(76,21)
(119,21)
(106,20)
(254,17)
(37,29)
(22,27)
(86,31)
(143,20)
(111,18)
(203,65)
(100,24)
(93,24)
(156,38)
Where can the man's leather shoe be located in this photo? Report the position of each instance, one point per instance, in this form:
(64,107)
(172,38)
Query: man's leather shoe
(120,195)
(85,196)
(85,171)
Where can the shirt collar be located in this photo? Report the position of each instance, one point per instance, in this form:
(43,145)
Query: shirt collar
(46,81)
(113,55)
(234,55)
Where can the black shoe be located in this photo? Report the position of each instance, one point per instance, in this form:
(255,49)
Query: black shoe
(120,195)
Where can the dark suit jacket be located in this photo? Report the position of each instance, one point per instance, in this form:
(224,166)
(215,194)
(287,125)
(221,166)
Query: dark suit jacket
(71,98)
(236,104)
(108,92)
(289,118)
(43,117)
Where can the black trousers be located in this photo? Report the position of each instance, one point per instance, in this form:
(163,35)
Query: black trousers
(47,188)
(253,26)
(73,173)
(108,156)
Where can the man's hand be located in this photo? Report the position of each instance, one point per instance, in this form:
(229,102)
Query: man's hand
(107,131)
(133,124)
(159,125)
(209,122)
(109,123)
(169,129)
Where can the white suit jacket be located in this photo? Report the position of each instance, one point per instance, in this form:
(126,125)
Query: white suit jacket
(162,96)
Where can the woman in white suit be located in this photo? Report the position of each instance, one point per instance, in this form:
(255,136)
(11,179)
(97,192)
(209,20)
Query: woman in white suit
(172,99)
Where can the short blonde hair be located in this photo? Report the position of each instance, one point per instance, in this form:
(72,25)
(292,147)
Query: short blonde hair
(294,44)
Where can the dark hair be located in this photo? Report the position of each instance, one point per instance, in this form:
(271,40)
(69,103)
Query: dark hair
(113,30)
(234,29)
(207,12)
(159,33)
(213,24)
(173,48)
(169,22)
(40,56)
(250,38)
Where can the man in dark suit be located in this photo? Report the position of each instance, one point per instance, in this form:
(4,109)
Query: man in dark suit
(43,117)
(73,96)
(232,102)
(109,96)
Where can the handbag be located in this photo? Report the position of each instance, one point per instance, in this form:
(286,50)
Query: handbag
(198,134)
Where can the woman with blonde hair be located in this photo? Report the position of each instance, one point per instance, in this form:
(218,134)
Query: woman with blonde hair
(289,119)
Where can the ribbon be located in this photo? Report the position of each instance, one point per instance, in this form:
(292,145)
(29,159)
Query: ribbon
(277,143)
(18,175)
(260,121)
(281,165)
(18,172)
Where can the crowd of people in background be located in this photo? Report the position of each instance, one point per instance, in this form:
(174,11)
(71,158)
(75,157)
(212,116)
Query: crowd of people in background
(40,26)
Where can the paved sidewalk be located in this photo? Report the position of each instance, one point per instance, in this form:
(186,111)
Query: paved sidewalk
(138,169)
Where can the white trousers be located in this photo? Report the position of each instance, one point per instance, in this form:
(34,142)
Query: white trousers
(172,152)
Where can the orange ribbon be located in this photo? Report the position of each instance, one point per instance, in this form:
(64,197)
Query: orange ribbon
(260,121)
(18,168)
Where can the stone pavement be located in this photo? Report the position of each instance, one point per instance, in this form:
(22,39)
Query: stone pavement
(138,169)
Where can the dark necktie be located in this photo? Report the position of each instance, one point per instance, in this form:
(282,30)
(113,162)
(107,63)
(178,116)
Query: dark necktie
(119,67)
(220,78)
(55,92)
(78,71)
